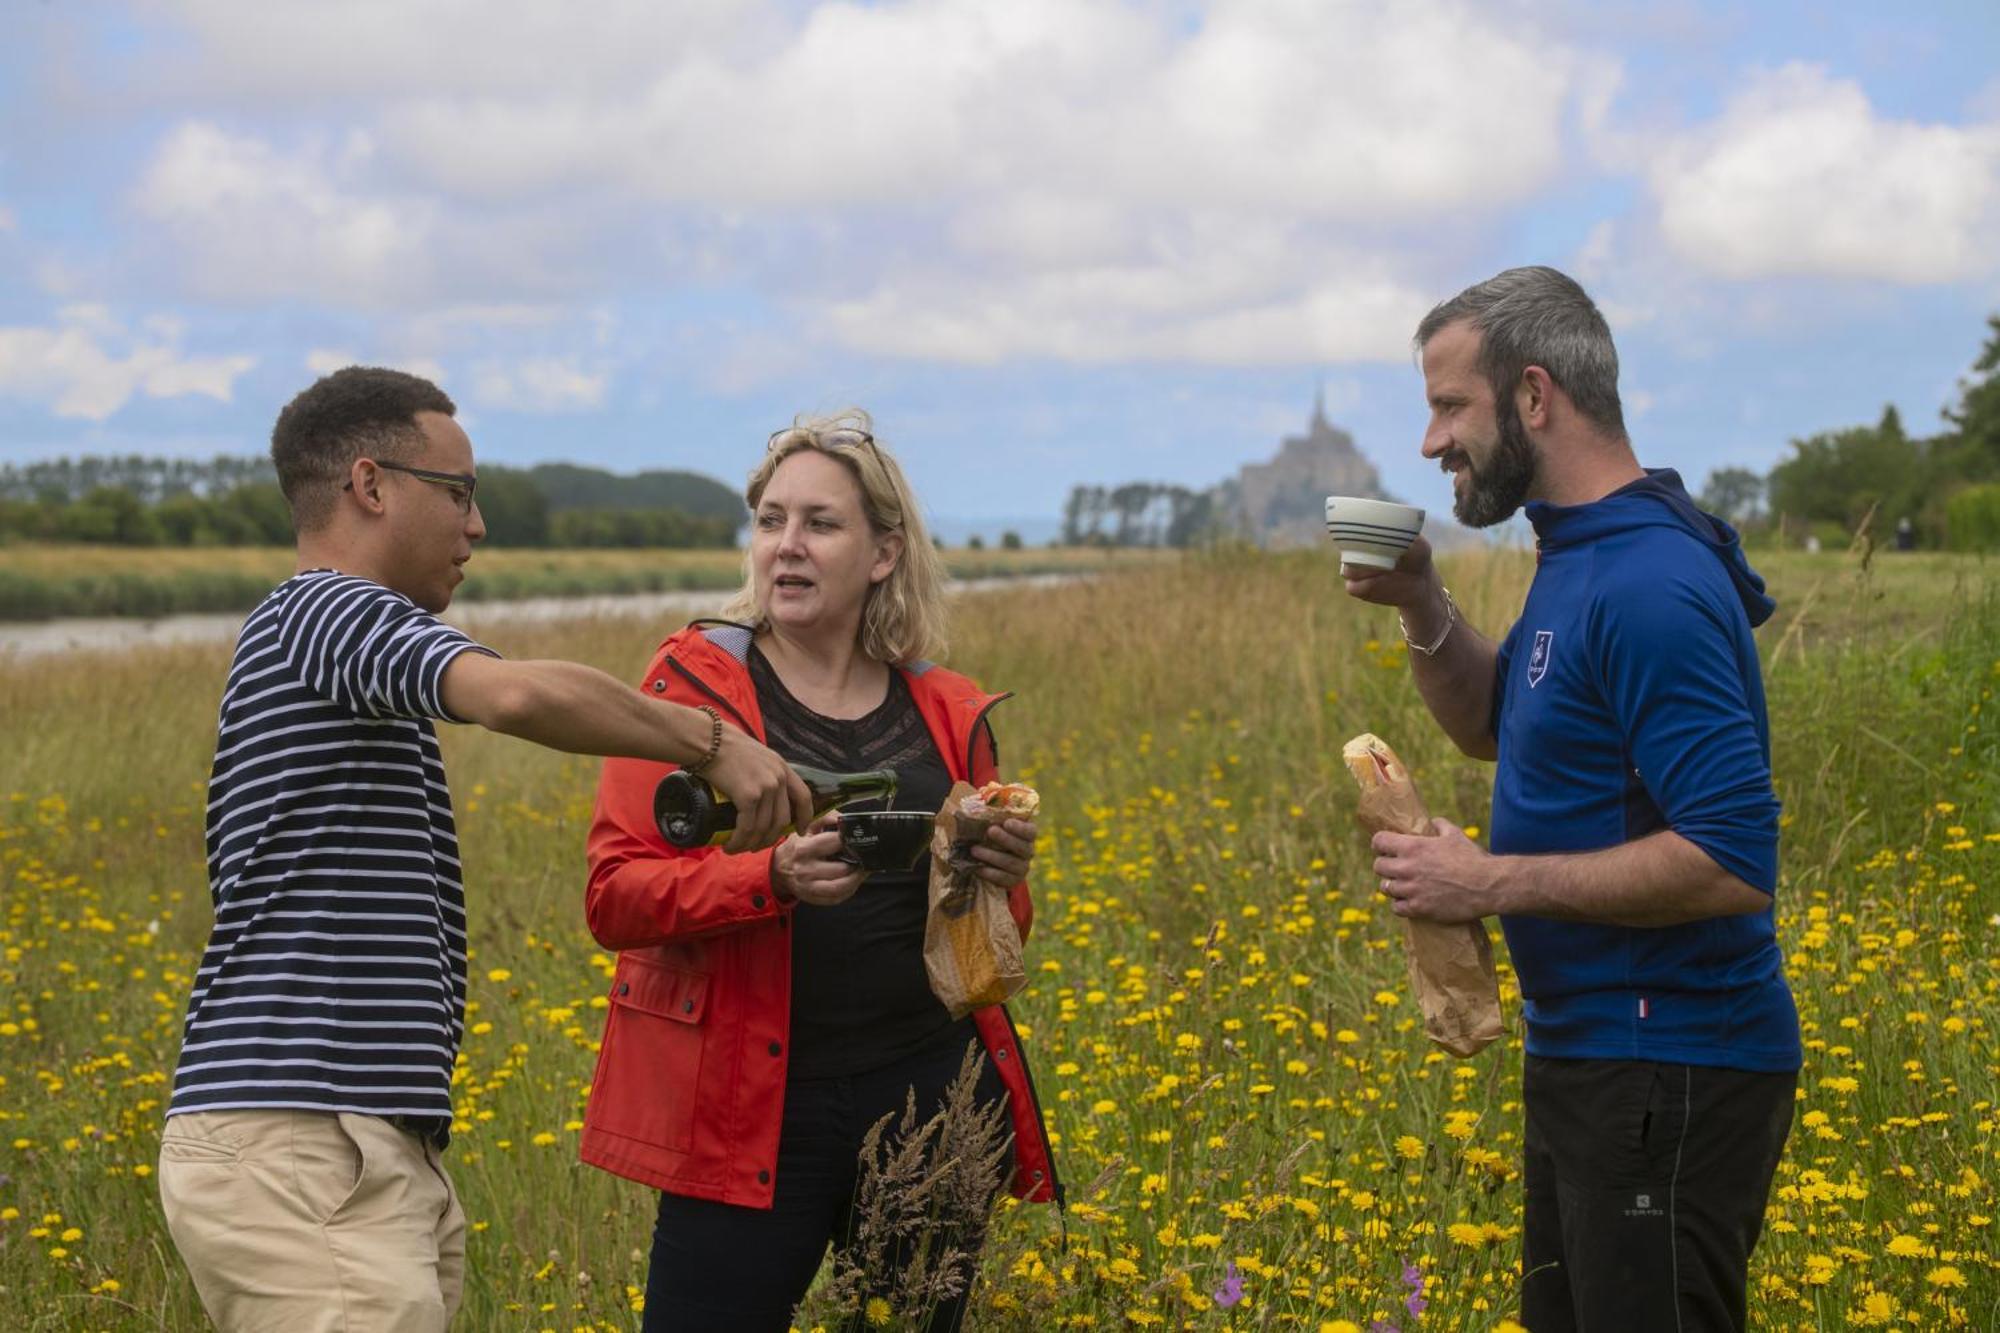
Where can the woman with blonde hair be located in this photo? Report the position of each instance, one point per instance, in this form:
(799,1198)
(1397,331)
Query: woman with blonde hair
(769,1008)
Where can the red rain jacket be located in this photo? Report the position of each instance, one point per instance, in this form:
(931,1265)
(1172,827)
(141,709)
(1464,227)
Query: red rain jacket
(690,1082)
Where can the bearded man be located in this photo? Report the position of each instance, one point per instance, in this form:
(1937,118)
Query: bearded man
(1634,829)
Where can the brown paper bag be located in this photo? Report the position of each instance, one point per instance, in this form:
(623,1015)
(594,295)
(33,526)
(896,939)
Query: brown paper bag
(972,948)
(1451,967)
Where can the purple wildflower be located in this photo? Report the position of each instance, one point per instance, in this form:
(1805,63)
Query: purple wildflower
(1231,1290)
(1413,1278)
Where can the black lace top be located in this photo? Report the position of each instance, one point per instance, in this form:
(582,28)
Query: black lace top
(860,997)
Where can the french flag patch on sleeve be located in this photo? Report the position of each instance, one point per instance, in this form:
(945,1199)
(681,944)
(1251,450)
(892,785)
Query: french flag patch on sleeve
(1645,1007)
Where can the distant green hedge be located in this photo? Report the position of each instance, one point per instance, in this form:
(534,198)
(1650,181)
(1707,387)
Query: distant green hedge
(1972,518)
(28,597)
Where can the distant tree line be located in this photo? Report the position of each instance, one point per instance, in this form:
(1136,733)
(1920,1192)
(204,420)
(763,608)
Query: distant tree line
(235,501)
(1946,485)
(1138,513)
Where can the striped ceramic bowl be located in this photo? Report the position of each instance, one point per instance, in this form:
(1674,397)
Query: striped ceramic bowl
(1371,532)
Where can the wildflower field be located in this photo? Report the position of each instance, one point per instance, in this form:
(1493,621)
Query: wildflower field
(1253,1132)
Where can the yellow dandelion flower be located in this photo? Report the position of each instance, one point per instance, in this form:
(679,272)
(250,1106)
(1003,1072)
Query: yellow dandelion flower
(878,1312)
(1409,1147)
(1945,1276)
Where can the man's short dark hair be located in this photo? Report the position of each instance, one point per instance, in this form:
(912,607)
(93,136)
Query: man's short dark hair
(1539,317)
(354,412)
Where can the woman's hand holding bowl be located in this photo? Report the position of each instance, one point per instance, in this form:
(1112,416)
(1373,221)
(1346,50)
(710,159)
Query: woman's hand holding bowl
(808,868)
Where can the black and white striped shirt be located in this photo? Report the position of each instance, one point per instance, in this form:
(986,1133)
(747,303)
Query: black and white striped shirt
(334,978)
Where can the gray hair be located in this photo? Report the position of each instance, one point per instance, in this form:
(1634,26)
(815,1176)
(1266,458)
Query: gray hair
(1539,317)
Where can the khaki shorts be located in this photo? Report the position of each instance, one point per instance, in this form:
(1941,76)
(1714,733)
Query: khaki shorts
(312,1222)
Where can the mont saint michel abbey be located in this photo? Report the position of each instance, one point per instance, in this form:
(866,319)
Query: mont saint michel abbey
(1283,502)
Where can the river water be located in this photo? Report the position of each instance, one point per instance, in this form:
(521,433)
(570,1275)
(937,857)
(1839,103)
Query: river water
(19,640)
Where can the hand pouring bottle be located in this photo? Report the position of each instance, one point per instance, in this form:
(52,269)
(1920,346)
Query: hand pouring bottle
(691,813)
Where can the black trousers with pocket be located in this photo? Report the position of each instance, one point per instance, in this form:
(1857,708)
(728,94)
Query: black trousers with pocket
(723,1268)
(1646,1185)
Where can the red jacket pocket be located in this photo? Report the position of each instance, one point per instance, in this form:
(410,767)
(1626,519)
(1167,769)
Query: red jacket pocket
(648,1092)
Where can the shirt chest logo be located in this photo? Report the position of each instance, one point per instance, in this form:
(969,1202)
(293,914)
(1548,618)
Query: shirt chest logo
(1538,659)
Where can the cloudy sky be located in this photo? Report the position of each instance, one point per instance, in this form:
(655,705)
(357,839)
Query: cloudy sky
(1044,241)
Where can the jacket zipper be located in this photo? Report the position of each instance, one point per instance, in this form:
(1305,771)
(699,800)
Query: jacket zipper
(1027,1070)
(1048,1149)
(710,691)
(972,734)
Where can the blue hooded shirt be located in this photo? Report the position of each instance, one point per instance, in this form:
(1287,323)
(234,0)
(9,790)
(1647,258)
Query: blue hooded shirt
(1628,700)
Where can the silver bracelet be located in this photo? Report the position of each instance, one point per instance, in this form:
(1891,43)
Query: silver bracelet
(1450,619)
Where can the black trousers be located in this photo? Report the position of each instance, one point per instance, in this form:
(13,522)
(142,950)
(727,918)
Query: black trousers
(1646,1186)
(723,1268)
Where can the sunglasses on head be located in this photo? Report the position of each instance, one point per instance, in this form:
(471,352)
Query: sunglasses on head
(843,437)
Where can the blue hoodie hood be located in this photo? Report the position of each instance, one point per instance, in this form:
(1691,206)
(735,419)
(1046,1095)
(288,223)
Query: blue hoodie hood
(1658,499)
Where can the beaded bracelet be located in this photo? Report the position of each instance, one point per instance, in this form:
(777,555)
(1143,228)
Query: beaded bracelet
(714,741)
(1450,619)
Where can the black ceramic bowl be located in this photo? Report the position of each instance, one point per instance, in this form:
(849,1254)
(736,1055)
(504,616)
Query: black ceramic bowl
(885,839)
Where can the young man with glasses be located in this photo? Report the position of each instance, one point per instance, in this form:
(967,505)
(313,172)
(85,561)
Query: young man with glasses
(299,1167)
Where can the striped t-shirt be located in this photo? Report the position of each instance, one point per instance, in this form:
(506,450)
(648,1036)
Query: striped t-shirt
(334,978)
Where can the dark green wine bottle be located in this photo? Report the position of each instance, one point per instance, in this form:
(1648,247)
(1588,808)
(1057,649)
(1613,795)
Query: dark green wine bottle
(691,813)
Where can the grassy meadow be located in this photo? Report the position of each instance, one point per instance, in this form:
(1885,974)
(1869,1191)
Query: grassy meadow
(1218,1015)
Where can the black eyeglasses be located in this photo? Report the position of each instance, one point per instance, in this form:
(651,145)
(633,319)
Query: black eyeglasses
(461,484)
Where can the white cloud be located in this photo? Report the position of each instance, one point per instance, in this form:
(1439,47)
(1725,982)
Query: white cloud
(1799,175)
(538,384)
(324,361)
(73,367)
(256,224)
(1155,312)
(1080,179)
(1355,109)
